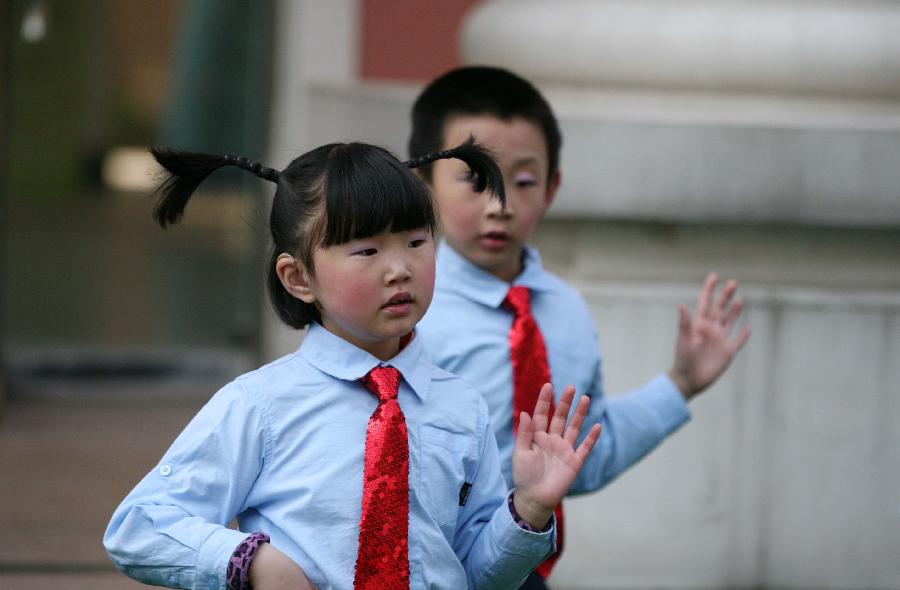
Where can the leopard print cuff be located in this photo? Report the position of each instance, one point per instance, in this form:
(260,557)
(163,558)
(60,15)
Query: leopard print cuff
(239,565)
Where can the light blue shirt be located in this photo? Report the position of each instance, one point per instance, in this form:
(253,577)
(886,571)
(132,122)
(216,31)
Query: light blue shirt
(282,450)
(466,331)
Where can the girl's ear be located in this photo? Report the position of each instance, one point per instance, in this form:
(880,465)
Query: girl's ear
(294,278)
(425,181)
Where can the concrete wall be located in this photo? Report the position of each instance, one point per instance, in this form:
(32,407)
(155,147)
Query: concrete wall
(787,476)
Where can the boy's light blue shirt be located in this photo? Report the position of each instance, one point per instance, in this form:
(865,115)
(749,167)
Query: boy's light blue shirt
(466,331)
(282,450)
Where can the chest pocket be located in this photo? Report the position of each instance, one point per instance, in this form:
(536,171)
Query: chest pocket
(446,462)
(571,365)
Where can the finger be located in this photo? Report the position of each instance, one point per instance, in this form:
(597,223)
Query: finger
(525,433)
(725,296)
(740,340)
(684,319)
(561,412)
(574,428)
(542,408)
(733,314)
(588,443)
(706,293)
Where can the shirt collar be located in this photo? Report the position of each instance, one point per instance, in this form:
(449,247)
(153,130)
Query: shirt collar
(334,356)
(458,274)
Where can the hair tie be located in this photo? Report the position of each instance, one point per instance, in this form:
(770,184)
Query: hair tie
(245,163)
(486,174)
(441,155)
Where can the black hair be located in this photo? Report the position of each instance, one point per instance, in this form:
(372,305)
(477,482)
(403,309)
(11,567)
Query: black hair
(480,90)
(328,196)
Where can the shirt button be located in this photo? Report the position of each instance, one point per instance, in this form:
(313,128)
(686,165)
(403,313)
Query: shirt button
(165,470)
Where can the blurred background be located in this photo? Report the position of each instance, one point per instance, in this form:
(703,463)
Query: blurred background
(756,138)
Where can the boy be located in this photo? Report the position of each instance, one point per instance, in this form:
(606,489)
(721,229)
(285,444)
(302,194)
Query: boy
(477,329)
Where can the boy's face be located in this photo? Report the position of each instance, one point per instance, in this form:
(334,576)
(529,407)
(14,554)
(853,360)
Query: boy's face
(473,223)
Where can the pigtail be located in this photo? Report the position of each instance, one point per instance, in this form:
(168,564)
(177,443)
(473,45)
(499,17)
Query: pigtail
(186,171)
(487,174)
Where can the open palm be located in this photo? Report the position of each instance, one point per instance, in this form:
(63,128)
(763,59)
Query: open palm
(704,347)
(545,460)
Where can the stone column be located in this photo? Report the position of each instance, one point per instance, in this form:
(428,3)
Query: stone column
(772,111)
(316,43)
(760,139)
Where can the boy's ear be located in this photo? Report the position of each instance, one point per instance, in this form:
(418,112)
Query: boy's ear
(552,187)
(294,278)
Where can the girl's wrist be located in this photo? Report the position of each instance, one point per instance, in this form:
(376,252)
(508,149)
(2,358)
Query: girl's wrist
(536,516)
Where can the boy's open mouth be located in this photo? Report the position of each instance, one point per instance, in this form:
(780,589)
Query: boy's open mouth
(493,240)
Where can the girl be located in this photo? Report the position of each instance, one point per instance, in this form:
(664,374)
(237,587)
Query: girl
(353,462)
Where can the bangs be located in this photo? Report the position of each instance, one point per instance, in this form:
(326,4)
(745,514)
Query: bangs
(368,191)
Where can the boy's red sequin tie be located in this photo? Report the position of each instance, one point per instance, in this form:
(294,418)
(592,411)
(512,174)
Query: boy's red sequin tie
(530,371)
(383,558)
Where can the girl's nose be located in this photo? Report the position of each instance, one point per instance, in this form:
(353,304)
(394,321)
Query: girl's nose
(398,271)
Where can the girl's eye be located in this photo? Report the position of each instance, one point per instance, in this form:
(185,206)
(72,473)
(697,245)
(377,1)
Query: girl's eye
(366,252)
(417,242)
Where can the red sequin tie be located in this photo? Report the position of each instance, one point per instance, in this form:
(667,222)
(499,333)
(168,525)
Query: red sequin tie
(530,371)
(383,558)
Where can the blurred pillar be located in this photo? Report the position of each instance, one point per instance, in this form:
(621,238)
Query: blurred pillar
(219,102)
(762,136)
(782,111)
(220,89)
(315,43)
(6,45)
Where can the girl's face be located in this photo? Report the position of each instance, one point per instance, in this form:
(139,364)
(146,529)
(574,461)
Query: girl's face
(373,291)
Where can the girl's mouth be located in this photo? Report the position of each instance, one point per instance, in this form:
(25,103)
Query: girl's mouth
(399,303)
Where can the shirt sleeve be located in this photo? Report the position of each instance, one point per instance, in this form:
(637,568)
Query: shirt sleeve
(494,550)
(634,424)
(171,530)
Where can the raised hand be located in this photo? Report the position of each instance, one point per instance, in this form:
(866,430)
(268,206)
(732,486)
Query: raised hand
(704,347)
(545,460)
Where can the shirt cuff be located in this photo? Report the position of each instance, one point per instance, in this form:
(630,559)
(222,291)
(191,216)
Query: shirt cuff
(515,540)
(668,403)
(238,573)
(213,558)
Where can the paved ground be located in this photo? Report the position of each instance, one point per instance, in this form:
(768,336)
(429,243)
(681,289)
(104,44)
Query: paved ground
(64,466)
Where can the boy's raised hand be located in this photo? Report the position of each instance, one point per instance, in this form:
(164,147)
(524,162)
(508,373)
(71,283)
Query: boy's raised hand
(545,460)
(704,347)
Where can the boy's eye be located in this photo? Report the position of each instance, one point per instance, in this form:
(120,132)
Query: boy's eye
(525,181)
(417,242)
